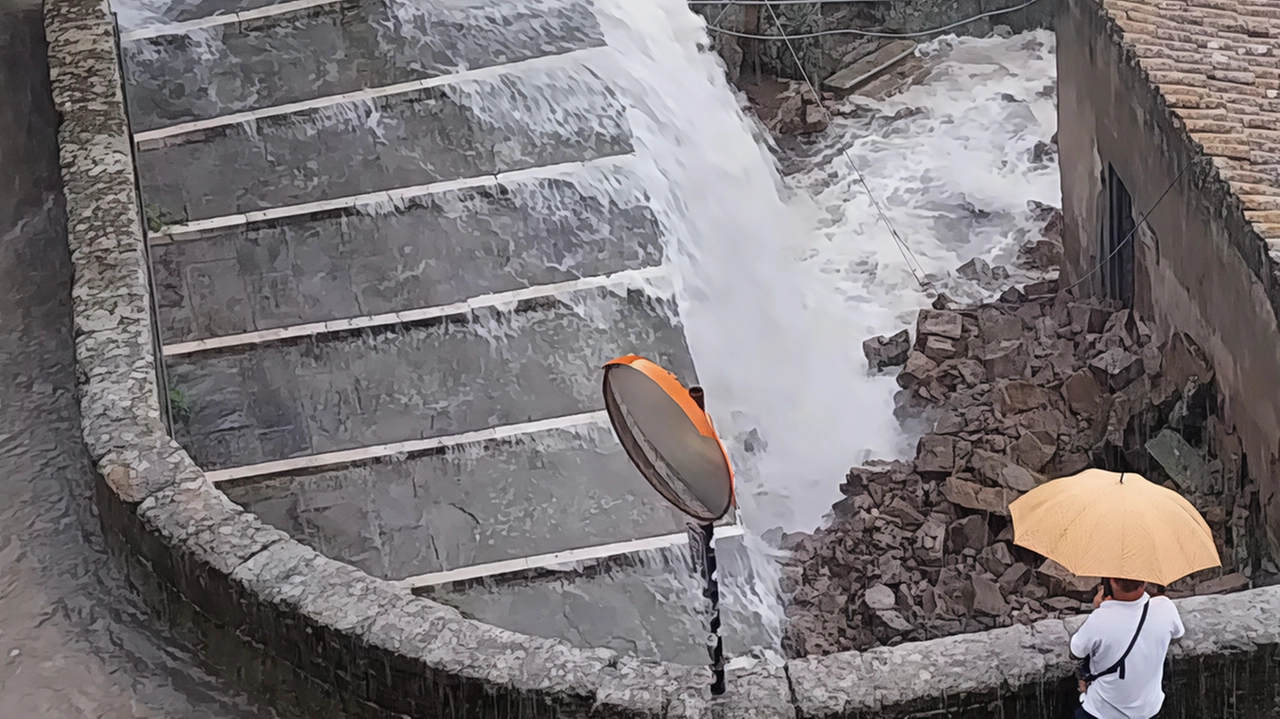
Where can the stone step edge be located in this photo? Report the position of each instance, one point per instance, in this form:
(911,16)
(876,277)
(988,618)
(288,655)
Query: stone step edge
(566,557)
(622,279)
(326,460)
(179,28)
(155,138)
(199,228)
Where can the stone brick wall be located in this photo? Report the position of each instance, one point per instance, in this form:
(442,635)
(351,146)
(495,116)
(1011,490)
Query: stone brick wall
(276,612)
(823,56)
(1194,88)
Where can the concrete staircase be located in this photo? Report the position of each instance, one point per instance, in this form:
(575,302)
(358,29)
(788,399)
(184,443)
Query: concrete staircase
(385,282)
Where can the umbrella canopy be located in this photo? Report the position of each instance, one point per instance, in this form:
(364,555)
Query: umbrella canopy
(1104,524)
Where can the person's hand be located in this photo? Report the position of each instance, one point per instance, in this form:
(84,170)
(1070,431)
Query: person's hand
(1083,687)
(1099,598)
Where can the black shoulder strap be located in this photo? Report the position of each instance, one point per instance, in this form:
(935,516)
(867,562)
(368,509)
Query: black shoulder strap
(1119,665)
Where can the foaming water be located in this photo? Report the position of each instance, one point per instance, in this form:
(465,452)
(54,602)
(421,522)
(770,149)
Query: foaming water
(951,163)
(779,283)
(771,358)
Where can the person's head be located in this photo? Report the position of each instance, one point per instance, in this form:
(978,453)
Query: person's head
(1128,588)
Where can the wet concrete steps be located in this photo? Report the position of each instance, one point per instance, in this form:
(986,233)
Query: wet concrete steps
(475,504)
(273,401)
(338,48)
(436,250)
(386,143)
(444,443)
(647,606)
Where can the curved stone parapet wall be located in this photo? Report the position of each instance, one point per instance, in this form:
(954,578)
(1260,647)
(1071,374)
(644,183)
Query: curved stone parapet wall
(380,649)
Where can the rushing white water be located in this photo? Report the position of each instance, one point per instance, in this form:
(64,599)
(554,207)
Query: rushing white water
(777,281)
(778,286)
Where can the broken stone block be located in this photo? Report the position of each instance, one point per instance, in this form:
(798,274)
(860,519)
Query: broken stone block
(1063,604)
(940,349)
(971,532)
(935,454)
(1033,450)
(987,598)
(976,497)
(1088,319)
(1117,368)
(889,351)
(1224,584)
(939,323)
(1182,462)
(1043,288)
(919,369)
(1015,577)
(987,464)
(1121,330)
(1012,296)
(1019,396)
(1007,360)
(1183,361)
(1018,478)
(1061,581)
(971,371)
(929,540)
(1043,254)
(996,558)
(900,509)
(929,601)
(995,326)
(893,621)
(980,271)
(1215,517)
(858,73)
(879,597)
(1082,393)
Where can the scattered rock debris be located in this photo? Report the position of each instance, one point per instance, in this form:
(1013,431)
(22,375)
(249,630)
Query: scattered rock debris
(1013,392)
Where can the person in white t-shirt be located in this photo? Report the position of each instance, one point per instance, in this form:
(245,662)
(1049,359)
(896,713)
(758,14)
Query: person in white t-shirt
(1124,641)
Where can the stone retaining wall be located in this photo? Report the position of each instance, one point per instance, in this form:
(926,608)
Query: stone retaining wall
(266,604)
(822,56)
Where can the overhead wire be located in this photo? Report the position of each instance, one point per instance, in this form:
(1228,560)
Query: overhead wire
(907,255)
(1127,238)
(864,33)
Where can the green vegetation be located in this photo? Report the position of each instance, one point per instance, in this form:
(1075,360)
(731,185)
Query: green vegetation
(157,217)
(179,406)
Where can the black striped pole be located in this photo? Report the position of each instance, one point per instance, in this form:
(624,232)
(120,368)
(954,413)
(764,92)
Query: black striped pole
(711,591)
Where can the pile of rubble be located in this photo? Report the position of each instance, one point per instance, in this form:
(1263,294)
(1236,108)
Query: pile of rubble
(1012,392)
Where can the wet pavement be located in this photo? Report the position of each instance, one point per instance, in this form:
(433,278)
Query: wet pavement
(74,641)
(271,401)
(337,49)
(439,249)
(400,516)
(645,606)
(388,143)
(478,503)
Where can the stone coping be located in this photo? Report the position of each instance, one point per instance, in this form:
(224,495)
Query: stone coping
(390,652)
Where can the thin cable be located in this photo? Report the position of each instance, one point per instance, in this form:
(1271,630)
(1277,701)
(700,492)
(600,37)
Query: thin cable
(1132,232)
(728,6)
(907,255)
(870,33)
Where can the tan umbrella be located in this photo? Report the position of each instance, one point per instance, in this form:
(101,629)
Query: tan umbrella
(1104,524)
